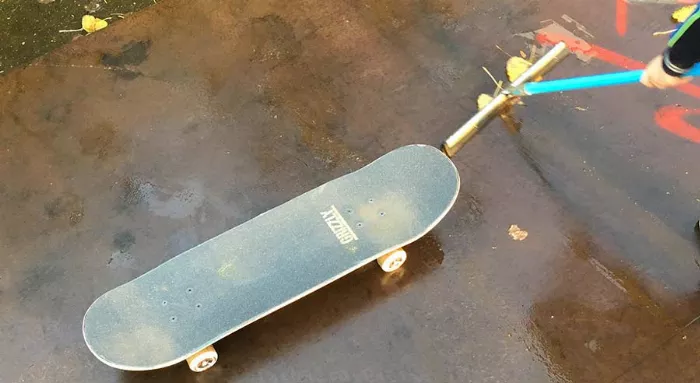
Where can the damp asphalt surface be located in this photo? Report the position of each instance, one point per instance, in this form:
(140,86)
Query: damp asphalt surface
(31,28)
(121,149)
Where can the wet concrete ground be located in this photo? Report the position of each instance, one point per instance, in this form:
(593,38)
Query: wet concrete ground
(127,147)
(30,28)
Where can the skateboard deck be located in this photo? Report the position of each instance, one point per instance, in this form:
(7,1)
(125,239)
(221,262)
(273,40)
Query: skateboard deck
(229,281)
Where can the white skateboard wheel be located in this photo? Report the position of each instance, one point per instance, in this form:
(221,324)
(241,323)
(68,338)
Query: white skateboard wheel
(203,359)
(392,261)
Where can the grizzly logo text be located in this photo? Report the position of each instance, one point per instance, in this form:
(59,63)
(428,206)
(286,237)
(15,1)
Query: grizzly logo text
(338,226)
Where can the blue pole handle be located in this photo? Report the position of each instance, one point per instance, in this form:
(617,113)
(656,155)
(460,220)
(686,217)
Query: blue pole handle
(588,82)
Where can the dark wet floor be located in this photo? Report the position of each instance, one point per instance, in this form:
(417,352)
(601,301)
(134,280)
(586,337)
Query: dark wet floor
(128,146)
(31,28)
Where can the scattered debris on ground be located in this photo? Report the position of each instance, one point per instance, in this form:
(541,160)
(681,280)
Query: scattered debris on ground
(517,233)
(30,28)
(93,6)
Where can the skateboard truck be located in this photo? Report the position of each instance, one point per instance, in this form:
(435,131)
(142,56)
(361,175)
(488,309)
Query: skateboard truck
(503,100)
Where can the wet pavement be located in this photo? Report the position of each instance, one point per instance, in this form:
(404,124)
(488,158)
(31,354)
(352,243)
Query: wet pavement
(31,28)
(128,146)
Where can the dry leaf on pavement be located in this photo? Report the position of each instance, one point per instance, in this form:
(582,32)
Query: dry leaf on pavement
(92,24)
(517,233)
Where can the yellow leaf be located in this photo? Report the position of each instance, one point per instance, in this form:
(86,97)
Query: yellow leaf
(522,54)
(92,23)
(88,22)
(517,233)
(517,66)
(483,100)
(682,14)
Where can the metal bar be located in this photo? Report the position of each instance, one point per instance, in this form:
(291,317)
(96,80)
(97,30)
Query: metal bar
(457,140)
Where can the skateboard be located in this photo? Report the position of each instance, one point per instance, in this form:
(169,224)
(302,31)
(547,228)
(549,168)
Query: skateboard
(178,310)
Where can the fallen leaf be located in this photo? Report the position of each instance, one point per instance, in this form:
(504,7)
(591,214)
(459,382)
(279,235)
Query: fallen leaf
(682,14)
(92,24)
(517,233)
(581,109)
(523,55)
(517,66)
(483,100)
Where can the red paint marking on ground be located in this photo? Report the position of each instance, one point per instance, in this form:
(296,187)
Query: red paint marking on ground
(614,58)
(577,45)
(621,17)
(690,90)
(672,118)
